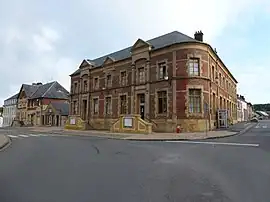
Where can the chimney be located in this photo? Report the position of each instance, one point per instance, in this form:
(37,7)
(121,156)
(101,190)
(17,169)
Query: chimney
(198,36)
(37,84)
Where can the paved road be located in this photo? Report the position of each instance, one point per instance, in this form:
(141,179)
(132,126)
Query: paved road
(52,168)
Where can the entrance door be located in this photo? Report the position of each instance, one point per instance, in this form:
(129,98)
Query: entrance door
(222,118)
(141,98)
(84,109)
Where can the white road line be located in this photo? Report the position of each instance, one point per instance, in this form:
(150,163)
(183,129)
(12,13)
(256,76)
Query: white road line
(257,126)
(33,135)
(264,126)
(23,135)
(13,136)
(216,143)
(42,135)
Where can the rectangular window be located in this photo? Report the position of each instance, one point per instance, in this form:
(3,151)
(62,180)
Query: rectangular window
(162,70)
(162,102)
(141,75)
(96,83)
(85,86)
(95,102)
(75,87)
(108,105)
(220,79)
(193,67)
(214,103)
(123,104)
(213,74)
(123,78)
(75,109)
(195,101)
(108,80)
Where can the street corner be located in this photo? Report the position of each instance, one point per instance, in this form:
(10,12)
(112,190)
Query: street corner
(5,141)
(248,126)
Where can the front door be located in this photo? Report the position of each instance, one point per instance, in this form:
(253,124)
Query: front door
(142,111)
(141,98)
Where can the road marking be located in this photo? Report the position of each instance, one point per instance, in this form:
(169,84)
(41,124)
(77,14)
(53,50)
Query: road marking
(13,136)
(23,135)
(42,135)
(216,143)
(257,126)
(33,135)
(264,126)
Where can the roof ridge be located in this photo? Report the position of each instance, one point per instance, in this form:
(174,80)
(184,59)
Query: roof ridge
(49,88)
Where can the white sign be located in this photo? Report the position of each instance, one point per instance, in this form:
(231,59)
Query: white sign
(72,121)
(128,122)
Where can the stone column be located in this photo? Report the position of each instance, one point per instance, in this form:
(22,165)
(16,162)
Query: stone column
(132,96)
(147,93)
(80,98)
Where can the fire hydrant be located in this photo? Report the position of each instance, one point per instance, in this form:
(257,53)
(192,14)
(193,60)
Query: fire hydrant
(178,129)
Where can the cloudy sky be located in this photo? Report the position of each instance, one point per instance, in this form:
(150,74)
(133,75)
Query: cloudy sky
(47,40)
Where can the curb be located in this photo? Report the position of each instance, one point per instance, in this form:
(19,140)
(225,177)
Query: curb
(6,145)
(246,129)
(157,140)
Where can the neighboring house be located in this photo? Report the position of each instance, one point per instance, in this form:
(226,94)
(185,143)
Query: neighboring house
(242,109)
(34,99)
(56,114)
(250,110)
(10,110)
(166,80)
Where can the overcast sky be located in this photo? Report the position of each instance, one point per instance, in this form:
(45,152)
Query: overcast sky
(47,40)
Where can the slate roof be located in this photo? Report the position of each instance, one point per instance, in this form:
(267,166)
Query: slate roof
(13,97)
(49,90)
(62,107)
(29,89)
(157,43)
(163,41)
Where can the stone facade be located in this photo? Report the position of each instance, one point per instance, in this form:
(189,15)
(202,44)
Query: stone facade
(168,87)
(34,99)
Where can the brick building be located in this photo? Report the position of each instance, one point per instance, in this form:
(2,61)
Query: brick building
(170,80)
(34,99)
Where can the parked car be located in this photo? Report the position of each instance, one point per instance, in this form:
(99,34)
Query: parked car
(254,119)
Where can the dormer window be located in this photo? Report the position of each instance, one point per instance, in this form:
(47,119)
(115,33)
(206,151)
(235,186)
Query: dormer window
(123,78)
(162,70)
(141,74)
(108,80)
(96,83)
(85,85)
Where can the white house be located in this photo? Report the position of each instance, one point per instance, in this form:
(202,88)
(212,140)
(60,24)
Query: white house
(242,109)
(9,111)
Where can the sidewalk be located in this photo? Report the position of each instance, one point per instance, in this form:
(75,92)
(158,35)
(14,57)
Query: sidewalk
(131,136)
(4,140)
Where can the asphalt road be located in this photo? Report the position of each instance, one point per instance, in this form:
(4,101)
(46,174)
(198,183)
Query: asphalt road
(84,169)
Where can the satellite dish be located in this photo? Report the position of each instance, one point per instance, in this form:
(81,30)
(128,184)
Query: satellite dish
(166,77)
